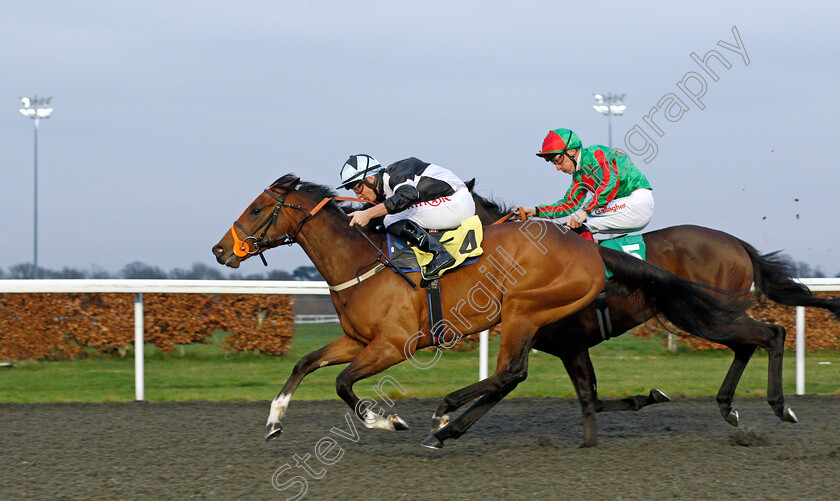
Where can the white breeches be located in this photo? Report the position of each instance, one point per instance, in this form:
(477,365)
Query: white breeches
(443,213)
(623,215)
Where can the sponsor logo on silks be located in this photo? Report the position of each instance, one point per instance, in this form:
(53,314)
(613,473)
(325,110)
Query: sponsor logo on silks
(433,203)
(608,209)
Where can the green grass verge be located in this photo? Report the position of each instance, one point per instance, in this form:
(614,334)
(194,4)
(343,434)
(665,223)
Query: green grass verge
(625,366)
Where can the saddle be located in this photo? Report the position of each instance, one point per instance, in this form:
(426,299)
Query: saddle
(630,244)
(463,242)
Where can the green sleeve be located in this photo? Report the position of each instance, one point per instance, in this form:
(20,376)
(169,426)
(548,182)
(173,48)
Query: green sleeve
(565,206)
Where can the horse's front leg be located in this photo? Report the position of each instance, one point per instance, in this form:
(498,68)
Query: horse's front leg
(340,351)
(378,356)
(579,366)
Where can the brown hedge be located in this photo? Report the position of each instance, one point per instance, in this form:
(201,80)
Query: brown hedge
(822,330)
(52,326)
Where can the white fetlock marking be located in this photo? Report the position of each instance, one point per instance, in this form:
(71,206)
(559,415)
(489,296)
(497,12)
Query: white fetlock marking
(278,408)
(374,421)
(442,420)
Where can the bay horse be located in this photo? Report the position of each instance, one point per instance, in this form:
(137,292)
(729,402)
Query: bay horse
(698,254)
(380,313)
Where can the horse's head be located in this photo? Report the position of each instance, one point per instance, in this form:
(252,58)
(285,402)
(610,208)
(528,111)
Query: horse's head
(273,218)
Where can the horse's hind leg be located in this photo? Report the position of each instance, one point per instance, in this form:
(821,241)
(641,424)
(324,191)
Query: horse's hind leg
(633,403)
(462,423)
(458,398)
(511,369)
(340,351)
(743,353)
(775,396)
(744,336)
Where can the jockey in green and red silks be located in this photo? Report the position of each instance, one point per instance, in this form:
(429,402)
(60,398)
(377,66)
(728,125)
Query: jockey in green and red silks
(621,197)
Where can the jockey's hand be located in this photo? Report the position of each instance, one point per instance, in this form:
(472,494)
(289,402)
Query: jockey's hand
(363,217)
(360,217)
(530,211)
(577,219)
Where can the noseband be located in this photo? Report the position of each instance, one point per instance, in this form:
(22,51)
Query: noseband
(251,244)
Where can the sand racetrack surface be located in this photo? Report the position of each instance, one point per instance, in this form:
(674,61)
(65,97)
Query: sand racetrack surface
(522,449)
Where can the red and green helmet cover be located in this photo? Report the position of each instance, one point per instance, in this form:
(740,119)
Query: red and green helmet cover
(558,141)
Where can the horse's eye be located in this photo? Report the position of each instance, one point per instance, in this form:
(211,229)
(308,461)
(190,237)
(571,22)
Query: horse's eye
(255,211)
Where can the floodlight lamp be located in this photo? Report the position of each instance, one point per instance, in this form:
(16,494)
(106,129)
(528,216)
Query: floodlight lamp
(25,102)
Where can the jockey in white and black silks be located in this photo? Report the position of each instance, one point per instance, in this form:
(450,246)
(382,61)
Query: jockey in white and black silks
(413,196)
(621,197)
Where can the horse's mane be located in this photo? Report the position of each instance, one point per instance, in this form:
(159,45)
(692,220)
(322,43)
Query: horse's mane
(491,205)
(316,192)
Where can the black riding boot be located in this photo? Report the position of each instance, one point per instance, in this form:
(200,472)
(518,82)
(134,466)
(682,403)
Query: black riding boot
(415,235)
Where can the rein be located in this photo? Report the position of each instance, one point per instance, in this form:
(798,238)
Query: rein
(252,245)
(518,212)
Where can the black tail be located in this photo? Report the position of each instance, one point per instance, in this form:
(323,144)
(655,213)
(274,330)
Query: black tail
(681,301)
(774,278)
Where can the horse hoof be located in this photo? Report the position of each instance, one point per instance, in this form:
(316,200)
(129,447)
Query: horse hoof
(789,416)
(732,418)
(273,430)
(439,422)
(658,396)
(399,424)
(432,442)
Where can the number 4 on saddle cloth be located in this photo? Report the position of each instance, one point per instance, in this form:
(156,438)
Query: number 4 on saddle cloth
(630,244)
(464,243)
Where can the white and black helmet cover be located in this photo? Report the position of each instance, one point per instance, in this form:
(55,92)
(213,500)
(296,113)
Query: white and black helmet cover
(358,167)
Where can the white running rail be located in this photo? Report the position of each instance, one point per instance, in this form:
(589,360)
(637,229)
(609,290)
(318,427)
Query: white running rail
(139,287)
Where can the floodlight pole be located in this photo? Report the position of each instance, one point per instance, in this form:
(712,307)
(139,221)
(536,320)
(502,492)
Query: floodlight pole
(36,108)
(609,105)
(35,232)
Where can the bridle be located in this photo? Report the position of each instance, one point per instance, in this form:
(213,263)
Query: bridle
(251,244)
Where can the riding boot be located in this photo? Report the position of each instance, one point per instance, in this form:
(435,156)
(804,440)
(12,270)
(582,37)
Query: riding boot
(583,231)
(415,235)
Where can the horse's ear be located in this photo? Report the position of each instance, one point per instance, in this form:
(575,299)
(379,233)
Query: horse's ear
(287,182)
(470,184)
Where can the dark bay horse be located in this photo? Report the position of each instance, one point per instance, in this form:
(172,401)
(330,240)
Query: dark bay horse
(380,313)
(701,255)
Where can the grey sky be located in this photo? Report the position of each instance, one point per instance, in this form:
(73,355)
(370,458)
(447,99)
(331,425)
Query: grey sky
(170,117)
